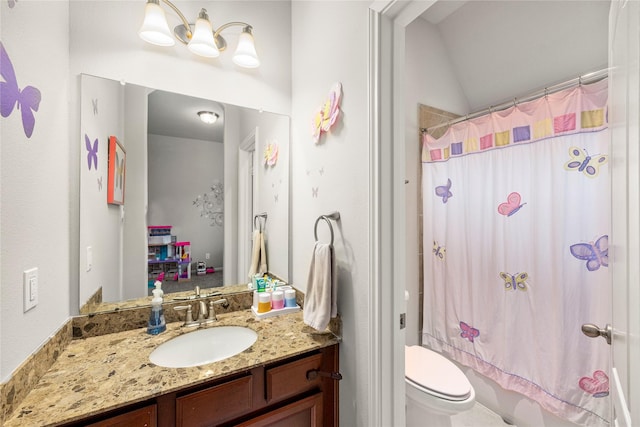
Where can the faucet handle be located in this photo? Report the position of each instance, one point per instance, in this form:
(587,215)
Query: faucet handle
(202,315)
(189,318)
(222,301)
(212,311)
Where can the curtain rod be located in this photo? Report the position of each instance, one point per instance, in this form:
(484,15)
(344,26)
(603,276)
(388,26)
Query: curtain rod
(580,80)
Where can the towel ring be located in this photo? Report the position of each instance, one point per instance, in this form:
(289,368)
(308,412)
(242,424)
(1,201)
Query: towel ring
(334,215)
(262,224)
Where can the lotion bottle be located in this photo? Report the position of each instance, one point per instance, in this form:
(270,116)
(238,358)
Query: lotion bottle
(157,323)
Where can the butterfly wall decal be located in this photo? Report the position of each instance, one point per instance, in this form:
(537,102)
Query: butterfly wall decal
(514,282)
(12,3)
(100,184)
(270,154)
(581,161)
(596,254)
(444,191)
(512,205)
(26,100)
(328,113)
(92,152)
(439,251)
(94,102)
(314,191)
(468,332)
(598,385)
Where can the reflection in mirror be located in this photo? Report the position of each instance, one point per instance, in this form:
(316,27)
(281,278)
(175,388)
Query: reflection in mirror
(206,181)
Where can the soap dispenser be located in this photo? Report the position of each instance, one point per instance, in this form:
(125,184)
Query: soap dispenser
(157,323)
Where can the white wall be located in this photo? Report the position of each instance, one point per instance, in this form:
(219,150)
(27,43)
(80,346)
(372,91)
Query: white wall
(34,175)
(179,171)
(273,184)
(330,42)
(104,42)
(134,239)
(100,225)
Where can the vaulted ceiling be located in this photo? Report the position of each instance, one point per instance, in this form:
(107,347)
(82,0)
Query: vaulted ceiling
(502,49)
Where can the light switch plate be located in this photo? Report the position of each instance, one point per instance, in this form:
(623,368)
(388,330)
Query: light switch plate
(30,288)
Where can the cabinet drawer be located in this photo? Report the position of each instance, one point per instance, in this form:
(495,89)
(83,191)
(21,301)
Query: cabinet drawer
(216,404)
(290,379)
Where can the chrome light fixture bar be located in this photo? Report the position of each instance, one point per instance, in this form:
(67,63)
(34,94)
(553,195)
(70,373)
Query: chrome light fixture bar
(200,38)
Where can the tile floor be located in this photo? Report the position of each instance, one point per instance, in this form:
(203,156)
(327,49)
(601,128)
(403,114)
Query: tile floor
(478,416)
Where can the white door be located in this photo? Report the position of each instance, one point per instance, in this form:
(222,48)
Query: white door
(247,182)
(624,115)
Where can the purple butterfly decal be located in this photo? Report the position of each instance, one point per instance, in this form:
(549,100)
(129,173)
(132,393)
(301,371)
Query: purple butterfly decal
(27,100)
(443,191)
(92,152)
(468,332)
(514,282)
(12,3)
(596,254)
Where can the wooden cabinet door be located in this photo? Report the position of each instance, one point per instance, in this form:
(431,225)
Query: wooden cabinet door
(143,417)
(306,412)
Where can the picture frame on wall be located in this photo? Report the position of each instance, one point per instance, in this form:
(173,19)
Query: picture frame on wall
(117,172)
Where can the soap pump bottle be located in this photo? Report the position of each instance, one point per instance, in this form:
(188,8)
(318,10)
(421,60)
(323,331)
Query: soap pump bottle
(157,323)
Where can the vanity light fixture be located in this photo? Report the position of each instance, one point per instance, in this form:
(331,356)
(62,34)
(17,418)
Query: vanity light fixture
(200,38)
(208,117)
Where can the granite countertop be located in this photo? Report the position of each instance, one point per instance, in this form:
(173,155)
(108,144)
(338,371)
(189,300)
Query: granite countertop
(102,373)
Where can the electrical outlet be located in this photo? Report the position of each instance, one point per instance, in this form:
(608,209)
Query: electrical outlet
(207,255)
(30,288)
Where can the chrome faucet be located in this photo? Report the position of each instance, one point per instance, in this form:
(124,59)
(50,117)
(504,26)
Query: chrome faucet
(203,319)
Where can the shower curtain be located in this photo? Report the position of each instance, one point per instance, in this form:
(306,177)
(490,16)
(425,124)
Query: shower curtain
(516,221)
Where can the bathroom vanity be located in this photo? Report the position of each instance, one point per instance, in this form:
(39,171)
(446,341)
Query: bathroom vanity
(287,377)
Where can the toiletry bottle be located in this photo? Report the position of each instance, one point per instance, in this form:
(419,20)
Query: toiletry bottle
(158,285)
(277,300)
(290,298)
(157,323)
(264,302)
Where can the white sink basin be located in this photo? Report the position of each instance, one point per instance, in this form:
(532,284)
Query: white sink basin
(203,346)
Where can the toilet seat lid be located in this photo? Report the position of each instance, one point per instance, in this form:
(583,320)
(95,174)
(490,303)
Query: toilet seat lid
(432,371)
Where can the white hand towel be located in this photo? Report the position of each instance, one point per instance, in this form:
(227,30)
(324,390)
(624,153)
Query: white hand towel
(320,302)
(263,256)
(255,254)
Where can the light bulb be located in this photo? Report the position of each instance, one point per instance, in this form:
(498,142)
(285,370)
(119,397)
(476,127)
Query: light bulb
(155,29)
(245,54)
(202,42)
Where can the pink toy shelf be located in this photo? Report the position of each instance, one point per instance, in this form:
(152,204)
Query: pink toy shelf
(183,255)
(166,256)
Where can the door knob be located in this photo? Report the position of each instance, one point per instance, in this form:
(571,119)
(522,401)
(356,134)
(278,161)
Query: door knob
(593,331)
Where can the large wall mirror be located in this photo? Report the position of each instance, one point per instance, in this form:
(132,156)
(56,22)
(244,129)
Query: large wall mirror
(208,184)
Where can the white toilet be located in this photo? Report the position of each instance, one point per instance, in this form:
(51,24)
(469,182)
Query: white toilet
(436,388)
